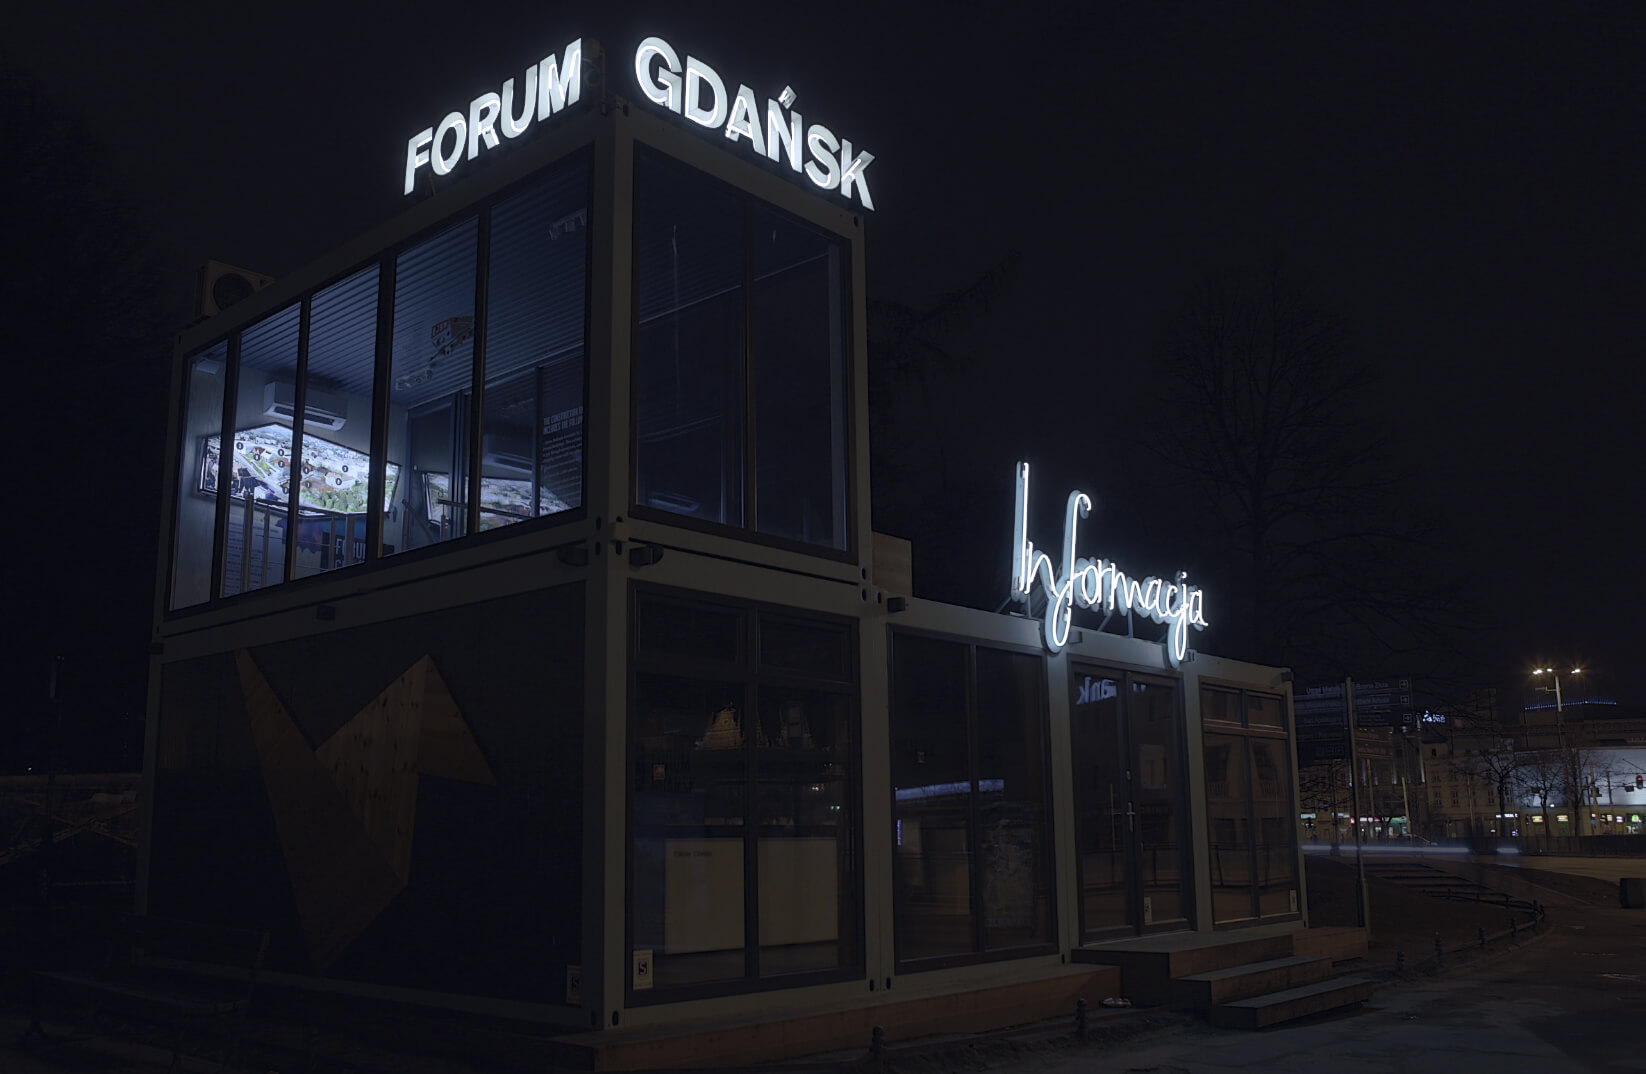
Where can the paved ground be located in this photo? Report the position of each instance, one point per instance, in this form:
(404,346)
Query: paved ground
(1573,1000)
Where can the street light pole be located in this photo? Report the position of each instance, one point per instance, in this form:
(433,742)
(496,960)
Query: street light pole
(1567,762)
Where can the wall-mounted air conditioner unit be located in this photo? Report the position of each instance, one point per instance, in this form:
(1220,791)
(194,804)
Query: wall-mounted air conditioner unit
(221,286)
(322,409)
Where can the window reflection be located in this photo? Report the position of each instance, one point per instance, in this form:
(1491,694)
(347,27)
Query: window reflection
(743,804)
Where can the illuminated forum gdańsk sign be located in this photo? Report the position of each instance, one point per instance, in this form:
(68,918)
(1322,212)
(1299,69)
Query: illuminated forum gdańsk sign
(690,88)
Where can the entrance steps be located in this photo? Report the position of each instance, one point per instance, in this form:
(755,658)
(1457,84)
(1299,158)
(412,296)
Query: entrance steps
(1240,980)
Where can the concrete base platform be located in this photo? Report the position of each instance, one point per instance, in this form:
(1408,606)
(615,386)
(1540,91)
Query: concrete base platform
(737,1043)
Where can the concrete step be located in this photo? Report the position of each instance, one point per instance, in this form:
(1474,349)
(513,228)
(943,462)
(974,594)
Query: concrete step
(1276,1007)
(1202,991)
(1149,964)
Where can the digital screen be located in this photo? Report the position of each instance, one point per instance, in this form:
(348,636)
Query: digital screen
(334,479)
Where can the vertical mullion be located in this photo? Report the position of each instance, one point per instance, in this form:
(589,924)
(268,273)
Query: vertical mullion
(477,382)
(751,499)
(225,467)
(973,807)
(375,507)
(300,396)
(751,832)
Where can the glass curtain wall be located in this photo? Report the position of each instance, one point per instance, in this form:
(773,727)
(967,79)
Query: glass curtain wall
(745,857)
(973,860)
(739,360)
(1251,828)
(302,415)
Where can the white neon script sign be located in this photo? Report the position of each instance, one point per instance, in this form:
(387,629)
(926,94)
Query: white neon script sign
(551,85)
(696,91)
(1096,583)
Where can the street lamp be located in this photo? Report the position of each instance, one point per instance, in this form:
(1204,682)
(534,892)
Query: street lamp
(1556,676)
(1560,728)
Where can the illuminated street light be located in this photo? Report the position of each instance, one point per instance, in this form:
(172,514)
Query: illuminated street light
(1560,722)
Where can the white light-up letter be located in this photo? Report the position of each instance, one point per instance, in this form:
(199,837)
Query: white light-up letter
(560,85)
(784,133)
(514,126)
(482,118)
(852,174)
(821,144)
(745,120)
(455,125)
(1095,583)
(417,155)
(660,84)
(698,75)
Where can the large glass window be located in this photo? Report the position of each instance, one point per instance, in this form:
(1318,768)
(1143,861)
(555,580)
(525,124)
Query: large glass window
(259,459)
(745,858)
(532,429)
(302,420)
(336,429)
(430,375)
(973,862)
(739,360)
(1250,814)
(198,477)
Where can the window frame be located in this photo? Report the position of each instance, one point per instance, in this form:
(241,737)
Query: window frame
(386,260)
(746,669)
(1245,730)
(749,530)
(980,952)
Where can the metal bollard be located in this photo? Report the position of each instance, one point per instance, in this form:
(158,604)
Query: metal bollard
(1440,951)
(1480,934)
(877,1049)
(1505,900)
(1514,927)
(1400,962)
(1080,1019)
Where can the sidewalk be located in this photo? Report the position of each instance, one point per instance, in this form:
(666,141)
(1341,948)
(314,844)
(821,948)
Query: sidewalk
(1425,1012)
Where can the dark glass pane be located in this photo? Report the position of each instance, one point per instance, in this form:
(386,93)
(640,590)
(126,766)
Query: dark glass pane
(1276,831)
(1219,705)
(1101,803)
(931,780)
(532,430)
(808,648)
(430,376)
(1228,830)
(690,774)
(688,346)
(1014,856)
(694,631)
(260,455)
(1263,710)
(337,426)
(198,477)
(800,395)
(807,876)
(1157,795)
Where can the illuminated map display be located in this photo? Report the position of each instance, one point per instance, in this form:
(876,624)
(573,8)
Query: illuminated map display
(502,499)
(333,479)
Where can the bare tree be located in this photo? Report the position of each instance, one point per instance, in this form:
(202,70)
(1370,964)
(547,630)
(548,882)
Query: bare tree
(1267,417)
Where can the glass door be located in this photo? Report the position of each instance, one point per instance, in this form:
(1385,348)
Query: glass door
(1129,804)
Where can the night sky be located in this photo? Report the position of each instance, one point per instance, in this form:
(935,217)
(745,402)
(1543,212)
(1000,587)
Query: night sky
(1464,181)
